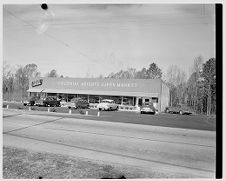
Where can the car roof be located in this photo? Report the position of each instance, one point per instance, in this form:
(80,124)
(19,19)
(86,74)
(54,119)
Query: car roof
(107,100)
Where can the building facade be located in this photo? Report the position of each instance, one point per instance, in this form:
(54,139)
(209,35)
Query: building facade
(130,93)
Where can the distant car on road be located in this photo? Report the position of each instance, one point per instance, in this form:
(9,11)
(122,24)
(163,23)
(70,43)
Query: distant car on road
(107,104)
(148,108)
(79,103)
(180,109)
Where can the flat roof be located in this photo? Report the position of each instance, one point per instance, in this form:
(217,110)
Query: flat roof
(97,86)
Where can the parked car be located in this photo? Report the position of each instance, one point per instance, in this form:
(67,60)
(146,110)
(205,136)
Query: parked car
(64,103)
(148,108)
(50,101)
(179,109)
(107,104)
(79,103)
(31,101)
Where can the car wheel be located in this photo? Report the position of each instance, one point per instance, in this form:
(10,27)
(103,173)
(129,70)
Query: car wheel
(100,109)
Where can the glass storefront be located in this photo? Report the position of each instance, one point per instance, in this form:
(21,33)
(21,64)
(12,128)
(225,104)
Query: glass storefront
(95,99)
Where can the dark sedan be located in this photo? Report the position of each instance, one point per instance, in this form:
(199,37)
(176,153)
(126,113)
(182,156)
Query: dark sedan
(51,101)
(31,101)
(180,109)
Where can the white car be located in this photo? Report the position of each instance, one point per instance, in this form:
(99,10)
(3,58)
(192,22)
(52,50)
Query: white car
(148,108)
(63,103)
(107,104)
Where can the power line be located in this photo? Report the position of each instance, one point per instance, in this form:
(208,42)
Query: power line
(50,36)
(109,22)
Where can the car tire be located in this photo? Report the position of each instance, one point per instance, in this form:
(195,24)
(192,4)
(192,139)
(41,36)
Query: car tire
(100,109)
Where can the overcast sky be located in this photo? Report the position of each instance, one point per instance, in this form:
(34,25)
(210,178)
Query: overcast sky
(89,40)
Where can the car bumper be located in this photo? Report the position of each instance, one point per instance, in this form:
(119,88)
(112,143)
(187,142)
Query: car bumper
(144,111)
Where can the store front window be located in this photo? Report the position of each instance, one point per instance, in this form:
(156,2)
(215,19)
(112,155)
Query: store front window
(116,99)
(52,94)
(128,101)
(154,99)
(71,96)
(83,96)
(94,99)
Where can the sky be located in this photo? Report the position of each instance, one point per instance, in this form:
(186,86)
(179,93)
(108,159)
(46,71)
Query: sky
(86,40)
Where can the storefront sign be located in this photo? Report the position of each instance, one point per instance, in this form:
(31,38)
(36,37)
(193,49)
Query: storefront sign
(36,83)
(97,84)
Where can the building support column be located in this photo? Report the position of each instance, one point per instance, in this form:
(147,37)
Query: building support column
(143,100)
(88,98)
(122,101)
(137,98)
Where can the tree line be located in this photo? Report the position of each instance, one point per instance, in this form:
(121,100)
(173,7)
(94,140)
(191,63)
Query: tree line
(16,83)
(198,91)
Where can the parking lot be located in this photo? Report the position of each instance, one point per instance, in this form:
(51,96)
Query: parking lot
(199,122)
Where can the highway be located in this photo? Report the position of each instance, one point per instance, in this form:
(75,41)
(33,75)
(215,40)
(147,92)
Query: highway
(176,152)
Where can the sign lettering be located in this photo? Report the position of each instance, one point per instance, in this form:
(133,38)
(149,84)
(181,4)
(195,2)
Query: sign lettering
(36,83)
(97,84)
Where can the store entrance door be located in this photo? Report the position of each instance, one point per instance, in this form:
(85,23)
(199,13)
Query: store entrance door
(140,102)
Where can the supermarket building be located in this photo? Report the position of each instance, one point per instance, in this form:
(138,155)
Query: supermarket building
(130,94)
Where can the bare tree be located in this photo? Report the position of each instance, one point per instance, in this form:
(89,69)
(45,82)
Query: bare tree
(176,80)
(194,86)
(8,81)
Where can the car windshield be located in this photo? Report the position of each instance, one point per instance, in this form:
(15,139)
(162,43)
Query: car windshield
(146,104)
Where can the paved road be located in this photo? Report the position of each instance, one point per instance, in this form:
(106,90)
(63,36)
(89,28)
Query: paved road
(173,151)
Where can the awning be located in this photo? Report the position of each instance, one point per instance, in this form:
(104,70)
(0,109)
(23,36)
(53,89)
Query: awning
(35,90)
(92,92)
